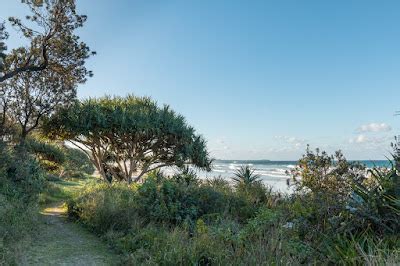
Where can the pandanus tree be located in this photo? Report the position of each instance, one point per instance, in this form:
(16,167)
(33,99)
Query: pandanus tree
(245,176)
(129,137)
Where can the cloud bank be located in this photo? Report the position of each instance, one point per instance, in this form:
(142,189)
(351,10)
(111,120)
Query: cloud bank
(374,127)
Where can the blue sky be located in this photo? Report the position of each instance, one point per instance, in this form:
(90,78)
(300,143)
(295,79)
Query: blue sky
(258,79)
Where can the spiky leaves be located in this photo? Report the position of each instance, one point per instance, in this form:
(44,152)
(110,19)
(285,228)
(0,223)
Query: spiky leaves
(377,200)
(245,176)
(128,137)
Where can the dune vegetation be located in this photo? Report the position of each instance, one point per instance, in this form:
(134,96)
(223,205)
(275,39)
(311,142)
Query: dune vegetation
(336,215)
(102,159)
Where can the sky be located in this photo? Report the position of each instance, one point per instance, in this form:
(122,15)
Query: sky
(258,79)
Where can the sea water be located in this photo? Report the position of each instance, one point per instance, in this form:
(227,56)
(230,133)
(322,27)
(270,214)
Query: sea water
(272,173)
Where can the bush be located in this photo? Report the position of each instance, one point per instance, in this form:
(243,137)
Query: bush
(183,220)
(77,164)
(18,221)
(184,197)
(104,208)
(375,202)
(49,155)
(57,159)
(20,175)
(178,220)
(340,204)
(169,201)
(20,181)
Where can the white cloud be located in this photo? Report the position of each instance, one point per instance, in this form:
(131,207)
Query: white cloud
(293,143)
(290,139)
(359,139)
(374,127)
(372,141)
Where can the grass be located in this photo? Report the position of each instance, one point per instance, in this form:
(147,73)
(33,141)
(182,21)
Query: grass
(62,242)
(59,241)
(63,190)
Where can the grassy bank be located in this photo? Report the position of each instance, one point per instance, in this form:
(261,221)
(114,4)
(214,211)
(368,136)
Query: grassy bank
(61,190)
(21,179)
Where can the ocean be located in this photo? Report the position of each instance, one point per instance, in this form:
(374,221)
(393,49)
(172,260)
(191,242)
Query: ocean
(272,173)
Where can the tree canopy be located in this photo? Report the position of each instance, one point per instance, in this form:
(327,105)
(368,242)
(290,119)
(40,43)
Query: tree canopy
(3,48)
(129,136)
(42,76)
(53,45)
(30,96)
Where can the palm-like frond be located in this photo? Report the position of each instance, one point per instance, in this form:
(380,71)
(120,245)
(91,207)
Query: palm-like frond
(245,175)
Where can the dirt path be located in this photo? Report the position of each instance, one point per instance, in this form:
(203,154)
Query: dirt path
(60,242)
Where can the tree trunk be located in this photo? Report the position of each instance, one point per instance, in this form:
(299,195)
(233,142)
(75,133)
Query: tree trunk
(99,166)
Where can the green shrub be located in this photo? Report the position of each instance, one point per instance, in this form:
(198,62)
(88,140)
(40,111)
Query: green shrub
(77,164)
(18,221)
(337,206)
(183,220)
(49,155)
(20,181)
(60,160)
(103,208)
(20,174)
(184,198)
(375,201)
(364,248)
(245,176)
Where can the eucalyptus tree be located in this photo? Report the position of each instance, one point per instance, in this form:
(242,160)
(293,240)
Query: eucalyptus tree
(3,48)
(30,96)
(3,103)
(42,76)
(129,136)
(53,44)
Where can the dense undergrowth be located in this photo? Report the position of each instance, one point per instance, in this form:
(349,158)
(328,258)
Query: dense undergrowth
(21,179)
(338,214)
(25,183)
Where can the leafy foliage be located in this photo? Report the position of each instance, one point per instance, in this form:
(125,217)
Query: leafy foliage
(30,96)
(245,176)
(335,200)
(21,175)
(76,164)
(184,219)
(129,135)
(60,160)
(21,180)
(3,48)
(50,29)
(375,201)
(49,155)
(321,173)
(167,220)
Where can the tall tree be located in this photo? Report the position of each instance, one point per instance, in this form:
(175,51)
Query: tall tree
(129,136)
(29,96)
(53,45)
(3,48)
